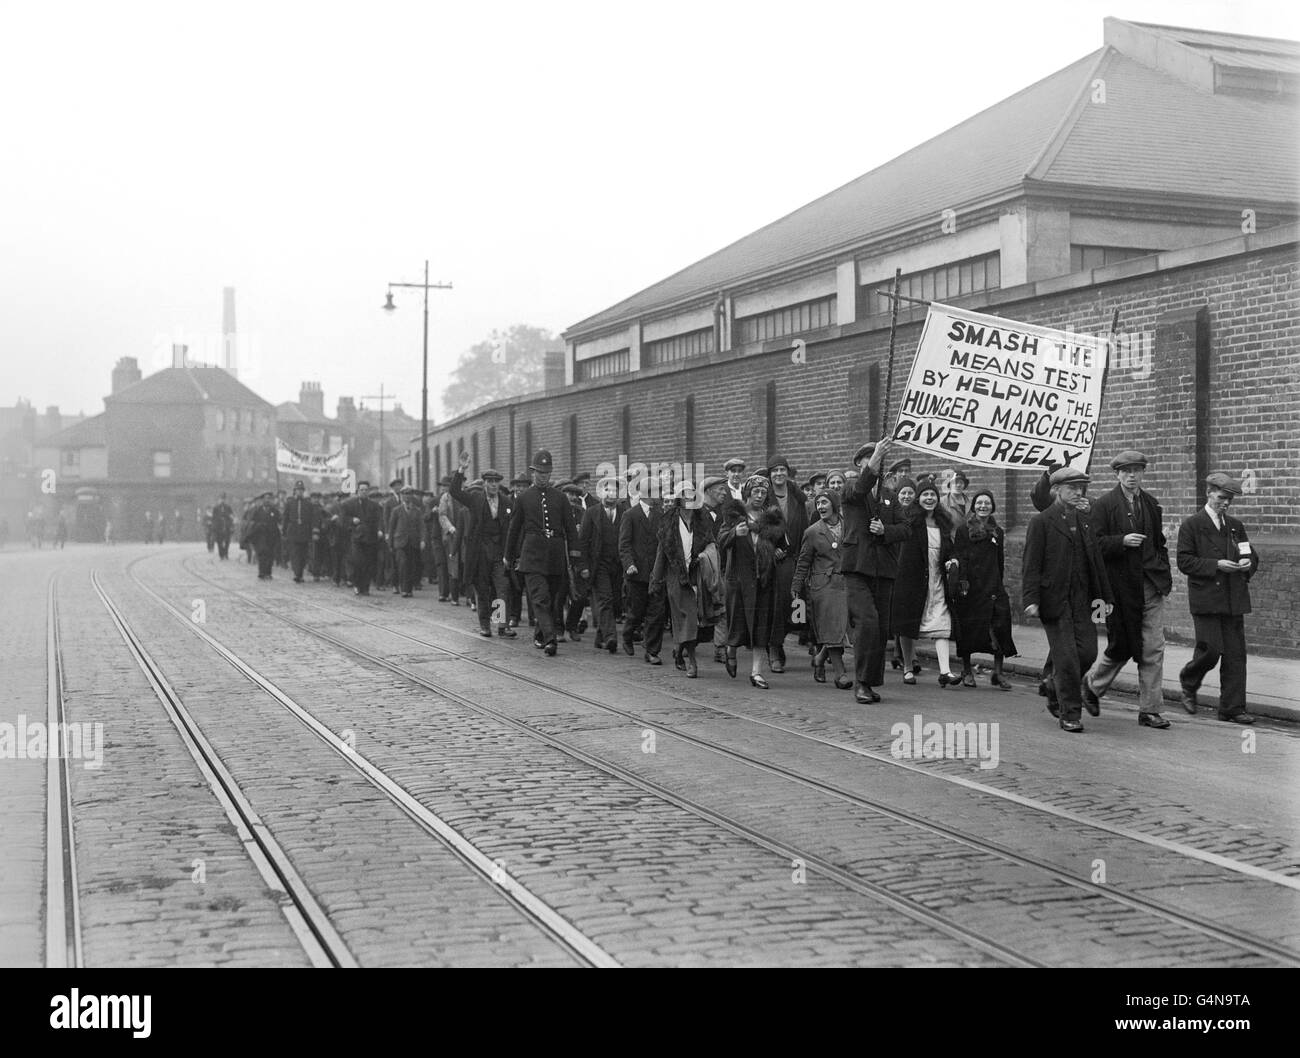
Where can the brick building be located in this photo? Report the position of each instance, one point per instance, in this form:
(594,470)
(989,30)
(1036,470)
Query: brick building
(168,444)
(1146,177)
(303,425)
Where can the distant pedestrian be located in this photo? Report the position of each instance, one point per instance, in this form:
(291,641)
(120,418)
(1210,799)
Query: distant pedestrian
(1218,560)
(108,530)
(61,533)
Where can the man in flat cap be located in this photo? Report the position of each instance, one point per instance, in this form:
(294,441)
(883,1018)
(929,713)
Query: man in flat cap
(300,528)
(1065,586)
(452,523)
(873,524)
(599,541)
(405,532)
(1218,560)
(735,471)
(1129,526)
(484,547)
(583,481)
(542,538)
(265,534)
(363,521)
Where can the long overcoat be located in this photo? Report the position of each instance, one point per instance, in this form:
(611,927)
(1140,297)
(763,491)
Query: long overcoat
(751,574)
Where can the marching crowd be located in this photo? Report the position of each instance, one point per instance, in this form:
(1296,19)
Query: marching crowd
(860,558)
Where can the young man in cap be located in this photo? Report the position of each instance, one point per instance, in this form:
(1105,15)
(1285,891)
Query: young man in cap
(735,471)
(583,481)
(363,522)
(1066,587)
(300,528)
(484,547)
(1129,526)
(1218,560)
(542,537)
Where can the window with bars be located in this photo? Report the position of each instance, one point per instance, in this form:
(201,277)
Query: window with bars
(616,363)
(935,284)
(1086,258)
(678,347)
(794,319)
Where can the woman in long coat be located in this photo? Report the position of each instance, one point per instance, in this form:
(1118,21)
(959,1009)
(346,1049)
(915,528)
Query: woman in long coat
(922,598)
(684,533)
(984,612)
(750,534)
(818,569)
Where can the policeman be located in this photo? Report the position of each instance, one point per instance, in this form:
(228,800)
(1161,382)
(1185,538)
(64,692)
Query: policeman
(543,536)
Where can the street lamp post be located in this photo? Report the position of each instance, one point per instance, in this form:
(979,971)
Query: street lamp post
(426,286)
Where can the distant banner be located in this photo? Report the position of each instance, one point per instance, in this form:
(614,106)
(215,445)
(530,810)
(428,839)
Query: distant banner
(291,461)
(997,393)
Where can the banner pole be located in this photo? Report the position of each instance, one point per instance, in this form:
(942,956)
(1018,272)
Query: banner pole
(889,371)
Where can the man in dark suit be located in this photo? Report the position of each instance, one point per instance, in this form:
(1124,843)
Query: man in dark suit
(265,535)
(1218,560)
(223,524)
(1129,526)
(386,575)
(300,528)
(363,520)
(484,546)
(598,539)
(542,537)
(586,499)
(638,540)
(873,523)
(1065,585)
(406,537)
(514,584)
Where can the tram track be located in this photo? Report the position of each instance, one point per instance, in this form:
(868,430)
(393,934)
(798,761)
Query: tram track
(1257,946)
(310,922)
(63,943)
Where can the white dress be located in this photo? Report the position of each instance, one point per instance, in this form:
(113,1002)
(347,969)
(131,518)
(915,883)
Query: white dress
(936,621)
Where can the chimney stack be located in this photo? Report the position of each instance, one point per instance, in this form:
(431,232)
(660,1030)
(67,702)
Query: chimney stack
(126,373)
(347,410)
(53,420)
(178,355)
(228,342)
(311,399)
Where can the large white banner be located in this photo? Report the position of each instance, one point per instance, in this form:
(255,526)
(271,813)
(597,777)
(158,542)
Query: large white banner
(291,461)
(997,393)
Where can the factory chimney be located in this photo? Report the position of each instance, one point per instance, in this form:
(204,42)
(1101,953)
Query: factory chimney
(229,360)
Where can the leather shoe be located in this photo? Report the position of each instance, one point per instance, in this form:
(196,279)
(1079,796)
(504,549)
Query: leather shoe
(865,695)
(1152,720)
(776,665)
(1073,726)
(730,662)
(756,680)
(506,632)
(1188,698)
(653,659)
(692,669)
(628,648)
(1238,718)
(612,645)
(1053,703)
(1090,700)
(678,660)
(486,633)
(550,649)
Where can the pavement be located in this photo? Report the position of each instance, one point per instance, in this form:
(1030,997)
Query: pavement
(1272,683)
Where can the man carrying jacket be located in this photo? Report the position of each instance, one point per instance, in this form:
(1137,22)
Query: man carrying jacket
(1065,585)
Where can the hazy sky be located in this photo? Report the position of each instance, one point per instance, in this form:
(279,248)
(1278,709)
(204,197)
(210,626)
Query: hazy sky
(548,159)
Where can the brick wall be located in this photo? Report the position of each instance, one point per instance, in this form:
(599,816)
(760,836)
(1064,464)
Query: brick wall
(1225,332)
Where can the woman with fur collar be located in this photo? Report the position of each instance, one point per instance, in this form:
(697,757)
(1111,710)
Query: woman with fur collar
(684,533)
(750,535)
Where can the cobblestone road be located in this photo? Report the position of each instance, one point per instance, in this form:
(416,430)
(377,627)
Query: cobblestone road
(1180,822)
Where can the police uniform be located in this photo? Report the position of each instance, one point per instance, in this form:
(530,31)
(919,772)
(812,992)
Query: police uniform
(542,538)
